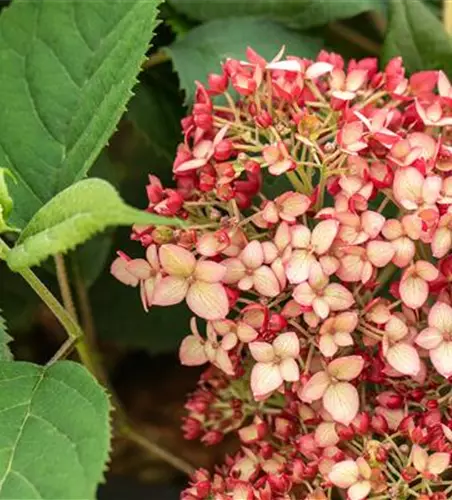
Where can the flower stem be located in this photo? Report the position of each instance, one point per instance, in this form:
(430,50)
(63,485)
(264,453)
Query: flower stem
(65,288)
(64,317)
(447,16)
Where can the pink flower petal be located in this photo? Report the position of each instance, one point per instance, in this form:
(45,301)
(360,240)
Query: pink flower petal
(441,242)
(262,352)
(139,268)
(441,358)
(323,235)
(380,253)
(170,290)
(318,69)
(265,282)
(438,463)
(429,338)
(359,490)
(431,189)
(246,333)
(287,345)
(191,352)
(120,271)
(325,434)
(315,387)
(440,317)
(413,291)
(372,223)
(420,458)
(252,255)
(299,266)
(408,187)
(344,474)
(235,270)
(265,378)
(343,339)
(426,270)
(404,358)
(327,345)
(301,236)
(321,307)
(405,251)
(338,297)
(207,270)
(177,261)
(346,368)
(304,294)
(289,369)
(208,300)
(223,362)
(341,400)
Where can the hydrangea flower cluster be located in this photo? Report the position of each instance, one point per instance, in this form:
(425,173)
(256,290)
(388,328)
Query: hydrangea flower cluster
(316,259)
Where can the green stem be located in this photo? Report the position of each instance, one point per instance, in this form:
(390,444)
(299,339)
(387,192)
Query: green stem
(67,322)
(65,288)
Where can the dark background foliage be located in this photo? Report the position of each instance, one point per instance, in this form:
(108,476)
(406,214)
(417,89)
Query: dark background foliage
(191,41)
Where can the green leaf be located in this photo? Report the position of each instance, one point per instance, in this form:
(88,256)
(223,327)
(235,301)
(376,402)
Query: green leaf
(67,69)
(156,117)
(72,217)
(6,202)
(318,13)
(418,36)
(5,339)
(204,48)
(55,431)
(206,10)
(293,13)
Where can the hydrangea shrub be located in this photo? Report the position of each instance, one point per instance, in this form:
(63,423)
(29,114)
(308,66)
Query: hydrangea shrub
(316,259)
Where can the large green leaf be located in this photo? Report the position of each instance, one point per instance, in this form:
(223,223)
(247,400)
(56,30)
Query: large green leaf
(206,10)
(294,13)
(5,339)
(155,113)
(204,48)
(73,216)
(67,69)
(418,36)
(55,431)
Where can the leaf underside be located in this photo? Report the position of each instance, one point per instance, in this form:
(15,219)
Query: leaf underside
(72,217)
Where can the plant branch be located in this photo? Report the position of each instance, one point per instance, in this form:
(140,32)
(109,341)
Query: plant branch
(83,303)
(65,289)
(447,16)
(156,450)
(355,37)
(158,57)
(66,320)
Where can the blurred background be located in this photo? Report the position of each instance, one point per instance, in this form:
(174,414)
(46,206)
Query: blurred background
(139,350)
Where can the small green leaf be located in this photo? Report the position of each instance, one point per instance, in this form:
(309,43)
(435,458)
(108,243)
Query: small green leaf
(67,70)
(6,202)
(73,216)
(418,36)
(204,48)
(294,13)
(55,434)
(5,339)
